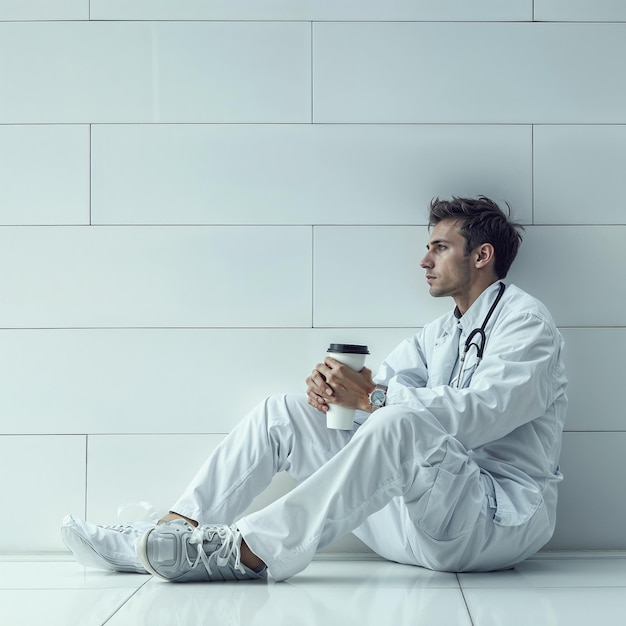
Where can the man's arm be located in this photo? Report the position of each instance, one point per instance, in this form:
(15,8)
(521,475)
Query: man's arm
(515,383)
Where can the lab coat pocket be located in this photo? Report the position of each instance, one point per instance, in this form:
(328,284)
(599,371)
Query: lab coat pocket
(454,504)
(506,513)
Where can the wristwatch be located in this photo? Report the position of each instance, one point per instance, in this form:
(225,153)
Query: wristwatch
(378,397)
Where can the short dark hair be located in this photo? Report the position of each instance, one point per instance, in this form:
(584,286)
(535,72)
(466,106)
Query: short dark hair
(481,221)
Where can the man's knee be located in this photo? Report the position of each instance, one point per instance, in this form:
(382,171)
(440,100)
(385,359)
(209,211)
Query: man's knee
(403,421)
(287,408)
(292,416)
(401,426)
(279,408)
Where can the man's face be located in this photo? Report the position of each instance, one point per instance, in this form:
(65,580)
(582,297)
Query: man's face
(448,268)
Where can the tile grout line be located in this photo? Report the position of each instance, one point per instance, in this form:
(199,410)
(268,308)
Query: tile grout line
(90,172)
(121,606)
(312,276)
(532,175)
(312,82)
(86,474)
(469,613)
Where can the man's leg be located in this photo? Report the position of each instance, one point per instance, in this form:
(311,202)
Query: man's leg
(406,488)
(396,454)
(283,433)
(403,484)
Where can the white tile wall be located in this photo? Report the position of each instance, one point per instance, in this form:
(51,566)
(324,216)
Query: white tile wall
(388,260)
(41,477)
(580,10)
(301,174)
(155,276)
(44,174)
(155,72)
(159,380)
(469,73)
(304,10)
(152,468)
(576,271)
(165,198)
(320,10)
(578,174)
(594,359)
(44,9)
(591,510)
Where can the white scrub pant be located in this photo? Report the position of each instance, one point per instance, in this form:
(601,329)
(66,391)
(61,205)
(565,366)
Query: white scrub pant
(399,482)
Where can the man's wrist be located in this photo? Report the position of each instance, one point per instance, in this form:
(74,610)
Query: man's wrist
(377,398)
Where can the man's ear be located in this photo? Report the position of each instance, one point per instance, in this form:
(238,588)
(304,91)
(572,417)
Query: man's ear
(484,255)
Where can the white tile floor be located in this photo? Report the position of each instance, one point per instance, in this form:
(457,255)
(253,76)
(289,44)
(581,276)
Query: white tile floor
(547,590)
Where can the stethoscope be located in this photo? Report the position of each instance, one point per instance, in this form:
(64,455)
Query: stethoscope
(478,338)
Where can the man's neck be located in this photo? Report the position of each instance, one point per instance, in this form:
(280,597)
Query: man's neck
(464,303)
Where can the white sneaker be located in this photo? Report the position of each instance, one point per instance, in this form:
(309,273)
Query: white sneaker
(105,547)
(177,551)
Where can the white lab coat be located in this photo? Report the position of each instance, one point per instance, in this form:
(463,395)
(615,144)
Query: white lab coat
(450,479)
(510,412)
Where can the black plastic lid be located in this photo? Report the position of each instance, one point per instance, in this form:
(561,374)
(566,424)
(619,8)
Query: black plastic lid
(348,348)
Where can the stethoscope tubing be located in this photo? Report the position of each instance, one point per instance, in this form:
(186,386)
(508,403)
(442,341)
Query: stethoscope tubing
(477,337)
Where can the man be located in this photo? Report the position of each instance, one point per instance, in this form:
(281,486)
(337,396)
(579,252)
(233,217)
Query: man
(456,471)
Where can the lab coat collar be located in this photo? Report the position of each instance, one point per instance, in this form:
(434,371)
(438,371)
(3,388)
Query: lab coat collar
(475,315)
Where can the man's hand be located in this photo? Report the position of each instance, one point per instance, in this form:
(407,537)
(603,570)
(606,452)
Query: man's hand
(331,382)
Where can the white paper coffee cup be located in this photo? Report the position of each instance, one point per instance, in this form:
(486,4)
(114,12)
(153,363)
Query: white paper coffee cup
(353,356)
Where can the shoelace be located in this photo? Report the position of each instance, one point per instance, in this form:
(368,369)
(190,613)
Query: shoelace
(120,528)
(130,514)
(231,543)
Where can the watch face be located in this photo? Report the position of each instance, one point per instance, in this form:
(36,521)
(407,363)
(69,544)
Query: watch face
(378,397)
